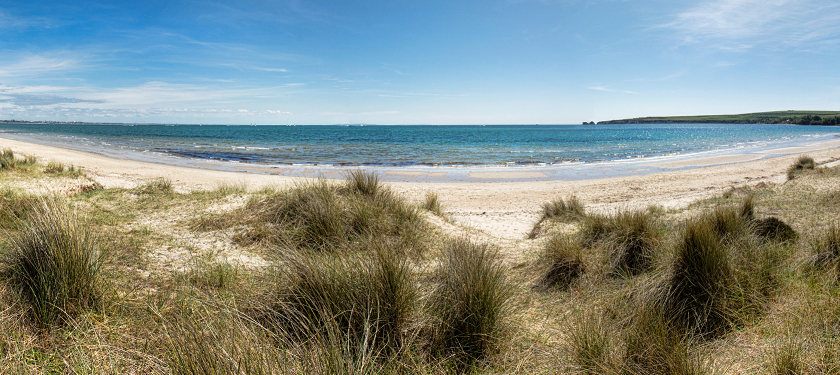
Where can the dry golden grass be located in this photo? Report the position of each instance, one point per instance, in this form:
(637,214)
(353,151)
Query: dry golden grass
(197,283)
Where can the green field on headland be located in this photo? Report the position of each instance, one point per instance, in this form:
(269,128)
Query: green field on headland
(778,117)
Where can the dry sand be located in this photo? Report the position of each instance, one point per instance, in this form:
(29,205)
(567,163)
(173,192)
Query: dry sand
(504,210)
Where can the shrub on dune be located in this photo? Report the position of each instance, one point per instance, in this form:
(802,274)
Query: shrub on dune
(723,273)
(729,222)
(734,222)
(595,228)
(632,242)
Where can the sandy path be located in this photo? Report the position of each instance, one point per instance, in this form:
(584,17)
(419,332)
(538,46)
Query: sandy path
(499,209)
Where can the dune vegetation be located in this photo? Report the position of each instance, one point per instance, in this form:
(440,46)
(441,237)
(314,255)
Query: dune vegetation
(350,277)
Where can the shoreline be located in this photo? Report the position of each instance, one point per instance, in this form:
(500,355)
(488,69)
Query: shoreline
(502,209)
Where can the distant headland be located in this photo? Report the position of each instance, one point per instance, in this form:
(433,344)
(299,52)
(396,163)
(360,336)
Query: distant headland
(778,117)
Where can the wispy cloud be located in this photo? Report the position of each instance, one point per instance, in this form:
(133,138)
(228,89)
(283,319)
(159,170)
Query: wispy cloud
(743,24)
(135,103)
(41,100)
(8,21)
(37,65)
(608,89)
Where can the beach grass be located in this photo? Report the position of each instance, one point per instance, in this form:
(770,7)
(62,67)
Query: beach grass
(54,261)
(432,204)
(803,163)
(629,237)
(9,161)
(347,277)
(470,304)
(368,297)
(325,216)
(562,261)
(558,210)
(59,169)
(158,186)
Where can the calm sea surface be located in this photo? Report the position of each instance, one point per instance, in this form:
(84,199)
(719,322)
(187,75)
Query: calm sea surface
(406,146)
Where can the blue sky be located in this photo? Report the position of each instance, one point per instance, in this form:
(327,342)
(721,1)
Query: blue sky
(414,62)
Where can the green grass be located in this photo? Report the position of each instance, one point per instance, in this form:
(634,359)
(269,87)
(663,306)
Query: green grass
(13,207)
(9,161)
(158,186)
(563,209)
(58,169)
(432,204)
(219,340)
(225,189)
(206,272)
(774,117)
(722,275)
(54,260)
(363,183)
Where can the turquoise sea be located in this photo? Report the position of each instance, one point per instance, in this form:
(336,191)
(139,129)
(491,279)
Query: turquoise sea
(419,146)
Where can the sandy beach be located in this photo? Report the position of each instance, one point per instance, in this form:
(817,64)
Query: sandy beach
(498,209)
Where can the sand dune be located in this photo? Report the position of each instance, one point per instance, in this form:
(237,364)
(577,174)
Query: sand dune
(500,209)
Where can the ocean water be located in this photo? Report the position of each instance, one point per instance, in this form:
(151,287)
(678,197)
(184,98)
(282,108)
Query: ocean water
(497,146)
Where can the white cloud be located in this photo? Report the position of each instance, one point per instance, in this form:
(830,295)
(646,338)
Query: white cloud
(378,113)
(270,69)
(744,24)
